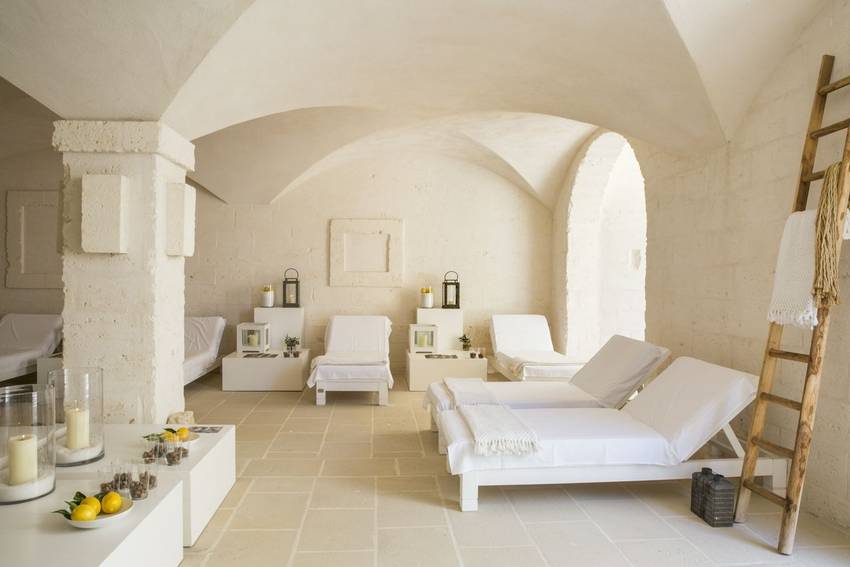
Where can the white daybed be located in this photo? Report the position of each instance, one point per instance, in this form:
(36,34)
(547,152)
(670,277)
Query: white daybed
(202,340)
(24,338)
(652,438)
(356,358)
(608,379)
(523,349)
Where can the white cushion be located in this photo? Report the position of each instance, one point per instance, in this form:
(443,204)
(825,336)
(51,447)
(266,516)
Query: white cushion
(201,343)
(515,333)
(617,370)
(691,401)
(358,333)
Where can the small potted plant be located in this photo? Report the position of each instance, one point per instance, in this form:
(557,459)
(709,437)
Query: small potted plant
(291,343)
(465,341)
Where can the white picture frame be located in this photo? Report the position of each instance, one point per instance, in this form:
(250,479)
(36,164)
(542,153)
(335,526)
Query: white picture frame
(423,338)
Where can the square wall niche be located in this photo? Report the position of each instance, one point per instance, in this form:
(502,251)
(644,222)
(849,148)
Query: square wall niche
(367,253)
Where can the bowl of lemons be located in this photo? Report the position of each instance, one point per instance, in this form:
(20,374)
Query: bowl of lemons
(95,511)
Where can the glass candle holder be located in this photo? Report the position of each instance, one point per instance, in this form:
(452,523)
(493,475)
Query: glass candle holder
(27,447)
(79,435)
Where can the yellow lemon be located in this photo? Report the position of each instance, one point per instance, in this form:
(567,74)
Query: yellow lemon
(183,433)
(111,502)
(93,502)
(84,513)
(168,436)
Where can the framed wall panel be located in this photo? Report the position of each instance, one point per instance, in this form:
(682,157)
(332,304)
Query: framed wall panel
(32,240)
(367,252)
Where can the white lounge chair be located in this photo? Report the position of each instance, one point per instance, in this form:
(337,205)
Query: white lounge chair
(356,358)
(523,349)
(202,340)
(651,438)
(608,379)
(24,338)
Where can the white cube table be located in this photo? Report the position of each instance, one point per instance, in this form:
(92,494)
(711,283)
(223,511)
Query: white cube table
(282,321)
(208,473)
(240,372)
(151,534)
(449,326)
(421,371)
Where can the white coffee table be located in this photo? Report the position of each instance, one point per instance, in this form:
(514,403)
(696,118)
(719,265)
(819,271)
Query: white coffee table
(208,473)
(151,534)
(240,372)
(421,371)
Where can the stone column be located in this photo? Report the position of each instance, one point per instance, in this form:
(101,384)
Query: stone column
(123,291)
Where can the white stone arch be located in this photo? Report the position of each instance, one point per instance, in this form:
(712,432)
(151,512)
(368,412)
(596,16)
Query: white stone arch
(600,263)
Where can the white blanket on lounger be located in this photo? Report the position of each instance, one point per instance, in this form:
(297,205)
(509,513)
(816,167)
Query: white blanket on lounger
(350,359)
(470,392)
(518,360)
(498,431)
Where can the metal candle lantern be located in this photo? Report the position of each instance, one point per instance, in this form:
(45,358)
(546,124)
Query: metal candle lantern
(79,436)
(451,291)
(27,449)
(291,289)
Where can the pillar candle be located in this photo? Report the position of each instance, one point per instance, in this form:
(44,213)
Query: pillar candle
(77,425)
(23,459)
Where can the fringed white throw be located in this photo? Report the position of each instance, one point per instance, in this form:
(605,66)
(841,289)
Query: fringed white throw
(469,392)
(792,302)
(498,431)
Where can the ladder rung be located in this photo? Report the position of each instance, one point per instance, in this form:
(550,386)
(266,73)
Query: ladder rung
(773,448)
(787,355)
(774,399)
(765,493)
(814,176)
(820,132)
(834,86)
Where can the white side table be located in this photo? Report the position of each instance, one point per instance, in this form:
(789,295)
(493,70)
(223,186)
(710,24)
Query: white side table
(241,372)
(282,321)
(421,371)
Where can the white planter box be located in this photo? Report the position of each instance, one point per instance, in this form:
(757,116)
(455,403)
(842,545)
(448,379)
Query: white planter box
(421,371)
(242,373)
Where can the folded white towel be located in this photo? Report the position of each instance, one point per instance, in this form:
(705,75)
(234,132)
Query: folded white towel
(498,431)
(518,360)
(470,392)
(792,302)
(350,359)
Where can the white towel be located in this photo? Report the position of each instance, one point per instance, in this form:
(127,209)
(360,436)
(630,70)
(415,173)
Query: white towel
(470,392)
(520,359)
(498,431)
(792,302)
(350,359)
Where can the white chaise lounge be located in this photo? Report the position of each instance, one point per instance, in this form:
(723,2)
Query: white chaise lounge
(651,438)
(356,359)
(523,349)
(24,338)
(608,379)
(202,340)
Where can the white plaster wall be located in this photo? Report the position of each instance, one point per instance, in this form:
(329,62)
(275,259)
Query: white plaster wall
(458,216)
(714,224)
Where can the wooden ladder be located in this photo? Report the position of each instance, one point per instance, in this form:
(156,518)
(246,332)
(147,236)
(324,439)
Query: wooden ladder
(813,360)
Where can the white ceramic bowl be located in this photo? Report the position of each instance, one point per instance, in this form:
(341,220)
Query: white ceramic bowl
(105,519)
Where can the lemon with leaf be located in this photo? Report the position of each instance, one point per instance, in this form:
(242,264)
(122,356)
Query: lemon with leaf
(93,502)
(84,513)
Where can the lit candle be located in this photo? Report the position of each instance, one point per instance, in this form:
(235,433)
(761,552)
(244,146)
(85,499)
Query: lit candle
(23,459)
(77,428)
(253,339)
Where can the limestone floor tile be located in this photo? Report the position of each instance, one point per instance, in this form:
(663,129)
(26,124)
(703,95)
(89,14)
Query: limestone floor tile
(267,417)
(283,484)
(225,417)
(406,509)
(620,514)
(501,557)
(312,411)
(422,465)
(397,443)
(334,559)
(347,492)
(495,521)
(251,449)
(416,547)
(663,553)
(544,504)
(349,427)
(270,511)
(822,557)
(283,467)
(305,424)
(430,445)
(346,435)
(407,484)
(252,547)
(240,487)
(395,425)
(193,559)
(256,432)
(359,467)
(338,530)
(727,545)
(811,532)
(290,441)
(664,498)
(346,451)
(343,415)
(575,543)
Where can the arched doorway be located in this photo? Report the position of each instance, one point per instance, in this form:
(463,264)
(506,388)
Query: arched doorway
(606,248)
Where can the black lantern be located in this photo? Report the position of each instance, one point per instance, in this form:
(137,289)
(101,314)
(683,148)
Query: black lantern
(291,289)
(451,291)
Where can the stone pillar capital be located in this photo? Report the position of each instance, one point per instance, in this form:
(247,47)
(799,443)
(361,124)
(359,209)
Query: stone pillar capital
(95,136)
